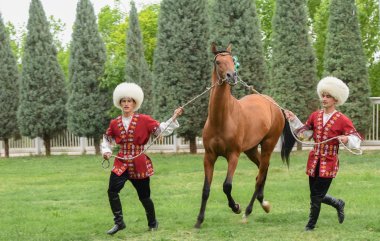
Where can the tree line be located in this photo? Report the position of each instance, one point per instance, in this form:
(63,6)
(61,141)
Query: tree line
(283,47)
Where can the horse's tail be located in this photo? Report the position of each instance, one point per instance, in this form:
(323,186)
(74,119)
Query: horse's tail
(288,142)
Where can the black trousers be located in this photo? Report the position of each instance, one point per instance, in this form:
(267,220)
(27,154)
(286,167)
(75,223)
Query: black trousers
(319,186)
(142,186)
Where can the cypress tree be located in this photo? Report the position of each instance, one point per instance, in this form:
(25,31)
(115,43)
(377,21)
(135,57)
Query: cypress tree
(320,29)
(88,103)
(237,22)
(344,58)
(293,70)
(43,96)
(137,69)
(181,64)
(9,79)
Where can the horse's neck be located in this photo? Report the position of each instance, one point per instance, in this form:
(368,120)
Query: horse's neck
(220,105)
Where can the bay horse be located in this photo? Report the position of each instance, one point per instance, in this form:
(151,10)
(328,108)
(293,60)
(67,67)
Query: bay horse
(234,126)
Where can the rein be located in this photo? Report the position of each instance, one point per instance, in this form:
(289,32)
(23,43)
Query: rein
(353,150)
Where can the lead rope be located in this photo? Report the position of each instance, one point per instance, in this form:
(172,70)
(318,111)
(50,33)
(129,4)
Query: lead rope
(354,151)
(106,163)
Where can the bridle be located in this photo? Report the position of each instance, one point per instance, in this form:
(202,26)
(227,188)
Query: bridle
(231,80)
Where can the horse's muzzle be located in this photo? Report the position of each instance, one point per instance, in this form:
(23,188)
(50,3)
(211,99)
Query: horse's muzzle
(232,78)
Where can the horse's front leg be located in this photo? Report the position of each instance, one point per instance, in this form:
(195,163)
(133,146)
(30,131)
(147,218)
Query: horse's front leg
(209,161)
(227,185)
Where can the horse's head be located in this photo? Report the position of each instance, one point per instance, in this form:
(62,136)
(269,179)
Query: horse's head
(224,65)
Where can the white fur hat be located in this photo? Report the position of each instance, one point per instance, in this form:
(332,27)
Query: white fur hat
(335,87)
(128,90)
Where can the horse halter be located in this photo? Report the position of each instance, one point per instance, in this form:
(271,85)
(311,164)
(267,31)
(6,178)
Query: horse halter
(230,77)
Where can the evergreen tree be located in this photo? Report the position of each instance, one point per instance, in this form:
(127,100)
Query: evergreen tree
(182,64)
(137,69)
(9,79)
(344,58)
(320,29)
(88,103)
(41,112)
(374,79)
(293,71)
(237,22)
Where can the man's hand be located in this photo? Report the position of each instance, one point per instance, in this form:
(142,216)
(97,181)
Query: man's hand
(107,155)
(343,139)
(289,115)
(177,112)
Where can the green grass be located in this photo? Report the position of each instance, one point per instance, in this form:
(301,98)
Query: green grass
(65,198)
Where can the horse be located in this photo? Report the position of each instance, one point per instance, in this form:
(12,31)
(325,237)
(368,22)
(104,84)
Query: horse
(235,126)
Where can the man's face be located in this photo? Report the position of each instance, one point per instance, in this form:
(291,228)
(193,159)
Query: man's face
(128,105)
(327,100)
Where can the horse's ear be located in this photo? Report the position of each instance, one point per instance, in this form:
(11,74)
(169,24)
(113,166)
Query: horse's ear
(229,47)
(213,48)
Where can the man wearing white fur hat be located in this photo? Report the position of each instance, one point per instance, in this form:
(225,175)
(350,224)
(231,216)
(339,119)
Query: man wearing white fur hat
(323,162)
(131,131)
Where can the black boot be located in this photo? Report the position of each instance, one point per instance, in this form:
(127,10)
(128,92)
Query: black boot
(315,208)
(150,214)
(336,203)
(117,212)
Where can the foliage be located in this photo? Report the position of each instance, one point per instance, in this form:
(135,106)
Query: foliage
(344,58)
(368,15)
(16,38)
(229,19)
(112,28)
(293,62)
(136,69)
(42,89)
(265,10)
(181,64)
(113,25)
(72,197)
(148,19)
(374,79)
(9,83)
(320,28)
(88,103)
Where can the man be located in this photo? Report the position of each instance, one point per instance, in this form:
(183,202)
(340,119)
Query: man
(323,161)
(131,131)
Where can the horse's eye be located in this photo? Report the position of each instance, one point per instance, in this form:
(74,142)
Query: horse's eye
(217,62)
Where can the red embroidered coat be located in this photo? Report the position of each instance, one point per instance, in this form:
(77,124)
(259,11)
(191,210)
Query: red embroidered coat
(132,143)
(327,153)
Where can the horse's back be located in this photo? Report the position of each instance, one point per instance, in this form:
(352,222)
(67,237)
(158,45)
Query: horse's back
(259,106)
(261,114)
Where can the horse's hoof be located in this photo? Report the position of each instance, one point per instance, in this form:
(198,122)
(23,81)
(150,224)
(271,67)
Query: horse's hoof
(266,206)
(244,219)
(237,209)
(197,225)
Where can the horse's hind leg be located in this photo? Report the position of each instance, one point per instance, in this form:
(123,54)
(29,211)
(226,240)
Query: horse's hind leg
(227,185)
(254,155)
(209,161)
(260,181)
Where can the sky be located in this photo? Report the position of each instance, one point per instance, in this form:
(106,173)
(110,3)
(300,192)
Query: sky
(17,11)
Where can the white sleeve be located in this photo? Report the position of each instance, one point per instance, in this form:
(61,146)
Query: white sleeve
(166,128)
(106,145)
(295,124)
(353,142)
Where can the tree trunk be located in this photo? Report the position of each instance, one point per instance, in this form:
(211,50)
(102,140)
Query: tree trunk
(46,139)
(193,145)
(97,145)
(6,147)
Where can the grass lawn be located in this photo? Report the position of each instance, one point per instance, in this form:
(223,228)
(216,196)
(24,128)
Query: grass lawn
(65,198)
